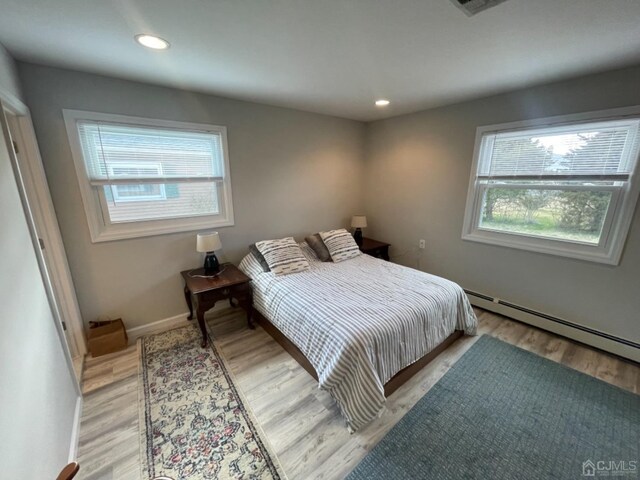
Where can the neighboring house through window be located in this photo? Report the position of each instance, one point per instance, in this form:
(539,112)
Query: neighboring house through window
(136,192)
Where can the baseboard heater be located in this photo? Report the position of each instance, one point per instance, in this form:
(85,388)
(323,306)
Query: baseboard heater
(617,345)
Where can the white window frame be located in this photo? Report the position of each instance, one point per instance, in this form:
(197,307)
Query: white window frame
(616,223)
(94,201)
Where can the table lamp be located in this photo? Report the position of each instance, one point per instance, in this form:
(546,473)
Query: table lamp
(208,243)
(358,222)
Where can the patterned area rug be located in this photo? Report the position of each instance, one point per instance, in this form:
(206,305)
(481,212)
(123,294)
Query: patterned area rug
(503,413)
(195,423)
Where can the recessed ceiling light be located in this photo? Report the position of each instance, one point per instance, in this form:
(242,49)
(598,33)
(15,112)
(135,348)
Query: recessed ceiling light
(382,102)
(151,41)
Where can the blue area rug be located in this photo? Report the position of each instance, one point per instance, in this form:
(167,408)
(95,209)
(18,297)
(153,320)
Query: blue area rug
(504,413)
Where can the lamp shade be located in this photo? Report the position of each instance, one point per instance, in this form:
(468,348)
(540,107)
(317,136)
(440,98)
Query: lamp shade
(208,242)
(359,221)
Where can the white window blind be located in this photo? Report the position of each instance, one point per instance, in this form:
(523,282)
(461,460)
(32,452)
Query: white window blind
(142,176)
(184,156)
(592,151)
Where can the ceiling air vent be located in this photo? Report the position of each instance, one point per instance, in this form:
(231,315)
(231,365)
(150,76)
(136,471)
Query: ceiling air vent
(471,7)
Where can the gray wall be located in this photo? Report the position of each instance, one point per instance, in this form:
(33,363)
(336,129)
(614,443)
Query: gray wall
(418,170)
(37,394)
(9,84)
(293,173)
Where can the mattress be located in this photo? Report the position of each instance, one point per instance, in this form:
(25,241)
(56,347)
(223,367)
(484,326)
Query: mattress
(359,322)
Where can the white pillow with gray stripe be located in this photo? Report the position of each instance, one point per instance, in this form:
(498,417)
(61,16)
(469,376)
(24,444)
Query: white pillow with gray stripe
(284,256)
(340,244)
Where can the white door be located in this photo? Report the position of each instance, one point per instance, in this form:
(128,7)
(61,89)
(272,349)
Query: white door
(39,395)
(19,130)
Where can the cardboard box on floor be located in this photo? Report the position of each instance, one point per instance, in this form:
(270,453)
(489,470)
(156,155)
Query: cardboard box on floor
(106,337)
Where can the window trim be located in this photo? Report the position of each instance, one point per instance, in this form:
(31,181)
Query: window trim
(617,222)
(100,228)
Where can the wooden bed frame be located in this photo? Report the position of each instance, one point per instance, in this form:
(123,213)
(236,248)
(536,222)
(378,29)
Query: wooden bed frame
(391,386)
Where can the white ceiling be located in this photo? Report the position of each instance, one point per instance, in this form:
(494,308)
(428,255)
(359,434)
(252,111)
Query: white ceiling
(329,56)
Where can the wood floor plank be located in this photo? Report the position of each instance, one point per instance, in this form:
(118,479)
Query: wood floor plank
(580,358)
(108,369)
(302,423)
(627,376)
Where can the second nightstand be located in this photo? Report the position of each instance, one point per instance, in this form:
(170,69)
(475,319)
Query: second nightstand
(375,248)
(202,293)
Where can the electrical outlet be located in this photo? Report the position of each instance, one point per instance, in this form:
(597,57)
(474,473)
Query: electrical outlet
(422,244)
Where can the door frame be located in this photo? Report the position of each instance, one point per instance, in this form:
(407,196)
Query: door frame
(48,239)
(38,199)
(47,229)
(44,275)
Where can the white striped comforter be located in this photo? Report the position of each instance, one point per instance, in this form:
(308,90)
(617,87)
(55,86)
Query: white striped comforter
(359,322)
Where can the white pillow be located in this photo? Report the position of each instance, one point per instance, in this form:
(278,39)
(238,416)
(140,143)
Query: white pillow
(283,255)
(340,244)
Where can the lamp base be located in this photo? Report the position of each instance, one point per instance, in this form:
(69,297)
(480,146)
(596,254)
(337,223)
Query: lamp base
(211,264)
(357,236)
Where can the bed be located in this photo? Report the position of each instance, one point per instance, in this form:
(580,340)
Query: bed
(360,325)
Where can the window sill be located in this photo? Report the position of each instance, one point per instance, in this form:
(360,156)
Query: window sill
(560,248)
(152,228)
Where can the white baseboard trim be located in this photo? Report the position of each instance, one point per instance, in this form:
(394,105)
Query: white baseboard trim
(565,330)
(75,431)
(170,323)
(157,327)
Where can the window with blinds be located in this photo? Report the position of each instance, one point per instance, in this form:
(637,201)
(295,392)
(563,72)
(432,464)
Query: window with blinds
(143,177)
(565,188)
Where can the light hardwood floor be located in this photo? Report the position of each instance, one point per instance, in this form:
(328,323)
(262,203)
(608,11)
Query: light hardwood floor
(301,422)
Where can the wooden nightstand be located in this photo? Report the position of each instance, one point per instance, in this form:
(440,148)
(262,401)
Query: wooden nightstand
(202,294)
(375,248)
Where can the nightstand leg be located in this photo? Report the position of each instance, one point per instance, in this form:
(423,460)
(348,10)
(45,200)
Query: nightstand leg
(203,328)
(246,303)
(250,312)
(187,297)
(250,317)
